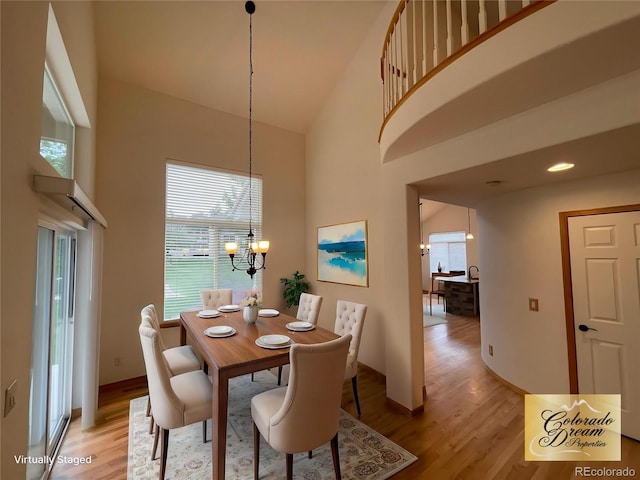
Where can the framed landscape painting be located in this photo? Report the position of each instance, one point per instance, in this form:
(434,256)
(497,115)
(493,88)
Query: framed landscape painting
(342,254)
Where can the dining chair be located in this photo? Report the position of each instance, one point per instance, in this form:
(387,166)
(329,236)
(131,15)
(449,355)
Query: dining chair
(309,308)
(212,299)
(308,311)
(437,288)
(349,321)
(176,401)
(305,414)
(181,359)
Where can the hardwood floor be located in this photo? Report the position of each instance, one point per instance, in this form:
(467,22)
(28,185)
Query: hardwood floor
(472,426)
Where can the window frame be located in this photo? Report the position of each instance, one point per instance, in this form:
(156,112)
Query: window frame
(197,239)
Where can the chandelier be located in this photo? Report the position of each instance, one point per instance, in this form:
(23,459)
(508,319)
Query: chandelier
(254,247)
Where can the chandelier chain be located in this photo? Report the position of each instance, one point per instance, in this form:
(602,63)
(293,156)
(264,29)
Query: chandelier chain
(250,120)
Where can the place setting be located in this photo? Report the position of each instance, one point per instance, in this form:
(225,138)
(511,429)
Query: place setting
(219,331)
(274,342)
(300,326)
(268,312)
(229,308)
(208,314)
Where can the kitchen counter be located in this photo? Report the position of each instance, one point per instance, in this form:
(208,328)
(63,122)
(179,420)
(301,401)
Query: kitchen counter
(459,279)
(461,295)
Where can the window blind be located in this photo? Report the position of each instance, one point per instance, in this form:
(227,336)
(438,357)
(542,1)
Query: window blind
(204,209)
(449,249)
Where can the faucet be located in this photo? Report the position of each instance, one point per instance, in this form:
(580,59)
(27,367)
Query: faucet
(471,277)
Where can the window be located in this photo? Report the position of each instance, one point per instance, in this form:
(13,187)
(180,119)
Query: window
(204,209)
(449,249)
(58,130)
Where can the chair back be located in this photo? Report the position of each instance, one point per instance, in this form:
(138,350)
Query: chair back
(212,299)
(310,413)
(150,318)
(309,308)
(168,409)
(350,320)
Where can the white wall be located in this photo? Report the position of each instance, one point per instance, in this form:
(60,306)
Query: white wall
(139,131)
(343,185)
(24,28)
(520,254)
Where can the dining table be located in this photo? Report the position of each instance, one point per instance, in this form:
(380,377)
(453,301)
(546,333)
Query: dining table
(238,354)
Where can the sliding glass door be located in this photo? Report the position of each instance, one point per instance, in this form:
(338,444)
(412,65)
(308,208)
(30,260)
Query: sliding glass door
(52,344)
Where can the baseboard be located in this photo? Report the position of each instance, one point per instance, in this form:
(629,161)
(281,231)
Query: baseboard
(507,384)
(124,385)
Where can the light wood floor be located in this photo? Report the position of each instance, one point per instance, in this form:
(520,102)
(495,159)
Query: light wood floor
(472,427)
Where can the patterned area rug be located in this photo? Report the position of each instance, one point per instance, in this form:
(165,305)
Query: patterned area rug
(429,320)
(364,453)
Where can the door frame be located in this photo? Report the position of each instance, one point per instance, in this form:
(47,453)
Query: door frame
(567,281)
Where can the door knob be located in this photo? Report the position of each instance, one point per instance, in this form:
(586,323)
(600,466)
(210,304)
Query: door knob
(584,328)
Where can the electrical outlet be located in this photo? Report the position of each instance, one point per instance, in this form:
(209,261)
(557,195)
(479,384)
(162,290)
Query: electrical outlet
(10,397)
(116,361)
(533,304)
(491,350)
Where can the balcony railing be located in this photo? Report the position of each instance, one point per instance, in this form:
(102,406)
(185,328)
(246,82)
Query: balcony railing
(425,36)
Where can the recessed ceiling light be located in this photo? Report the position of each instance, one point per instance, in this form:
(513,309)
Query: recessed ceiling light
(558,167)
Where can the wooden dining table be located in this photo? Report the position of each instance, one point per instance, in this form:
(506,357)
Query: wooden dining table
(236,355)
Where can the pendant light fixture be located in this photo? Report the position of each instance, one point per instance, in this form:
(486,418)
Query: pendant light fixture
(469,234)
(422,245)
(254,247)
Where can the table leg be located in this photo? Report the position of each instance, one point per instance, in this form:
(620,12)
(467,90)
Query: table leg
(183,334)
(219,424)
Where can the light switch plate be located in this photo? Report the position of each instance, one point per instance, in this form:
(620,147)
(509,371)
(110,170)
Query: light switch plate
(10,397)
(533,304)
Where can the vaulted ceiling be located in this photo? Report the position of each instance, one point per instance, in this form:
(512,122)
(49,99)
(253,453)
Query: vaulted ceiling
(199,51)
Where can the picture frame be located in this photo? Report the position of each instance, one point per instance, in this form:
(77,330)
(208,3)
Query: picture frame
(342,253)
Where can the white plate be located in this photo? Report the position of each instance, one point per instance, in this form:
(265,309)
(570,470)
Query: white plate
(274,340)
(219,331)
(272,347)
(209,314)
(268,312)
(300,326)
(229,308)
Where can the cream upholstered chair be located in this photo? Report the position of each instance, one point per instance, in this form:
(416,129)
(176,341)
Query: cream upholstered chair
(349,320)
(305,414)
(178,400)
(308,311)
(180,360)
(309,308)
(212,299)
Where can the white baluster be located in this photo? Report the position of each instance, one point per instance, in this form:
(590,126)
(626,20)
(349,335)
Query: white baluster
(404,54)
(482,17)
(502,9)
(392,68)
(385,80)
(464,29)
(435,34)
(449,29)
(424,37)
(415,42)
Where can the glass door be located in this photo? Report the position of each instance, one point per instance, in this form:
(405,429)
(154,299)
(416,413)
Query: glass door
(52,345)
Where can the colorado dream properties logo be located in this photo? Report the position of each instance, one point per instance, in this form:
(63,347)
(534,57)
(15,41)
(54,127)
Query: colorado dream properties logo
(572,427)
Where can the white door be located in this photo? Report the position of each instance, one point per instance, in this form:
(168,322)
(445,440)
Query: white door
(605,271)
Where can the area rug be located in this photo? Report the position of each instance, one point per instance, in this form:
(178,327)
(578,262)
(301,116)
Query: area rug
(430,320)
(364,453)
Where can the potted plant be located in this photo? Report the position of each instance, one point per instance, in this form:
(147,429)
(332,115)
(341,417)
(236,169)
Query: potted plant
(293,288)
